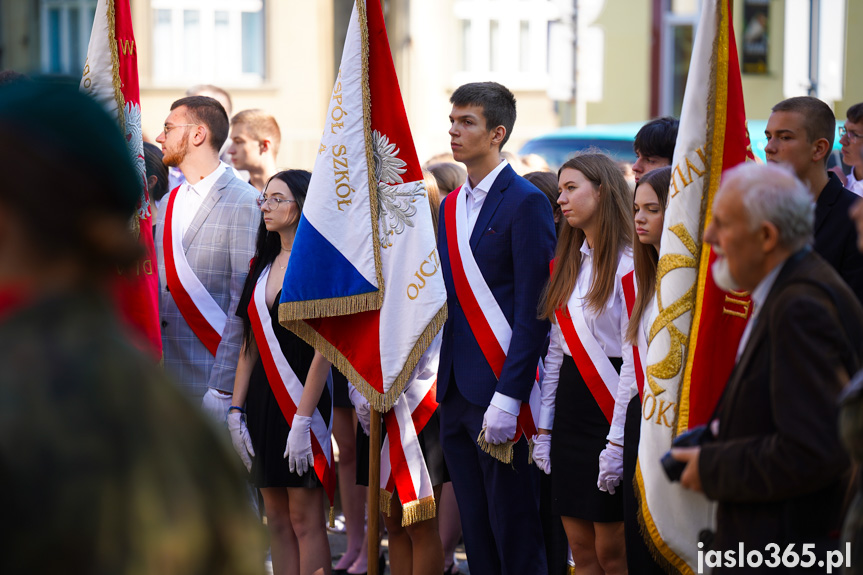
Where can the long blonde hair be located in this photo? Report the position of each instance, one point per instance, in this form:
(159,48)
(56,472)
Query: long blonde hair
(615,231)
(644,256)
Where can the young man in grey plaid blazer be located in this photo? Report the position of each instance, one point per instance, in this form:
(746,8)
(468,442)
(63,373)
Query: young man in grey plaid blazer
(215,217)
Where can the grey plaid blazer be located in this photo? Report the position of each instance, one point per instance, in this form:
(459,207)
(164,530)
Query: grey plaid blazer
(219,244)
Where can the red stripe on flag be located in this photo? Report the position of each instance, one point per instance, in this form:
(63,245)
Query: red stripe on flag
(585,366)
(199,324)
(494,354)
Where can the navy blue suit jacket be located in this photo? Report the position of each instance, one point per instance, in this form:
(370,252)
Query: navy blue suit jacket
(513,242)
(836,235)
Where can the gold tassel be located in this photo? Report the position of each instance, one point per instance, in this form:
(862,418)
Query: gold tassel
(385,502)
(332,517)
(420,510)
(570,569)
(530,445)
(315,308)
(502,452)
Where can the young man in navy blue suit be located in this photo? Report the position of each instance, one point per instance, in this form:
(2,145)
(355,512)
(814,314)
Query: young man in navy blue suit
(512,240)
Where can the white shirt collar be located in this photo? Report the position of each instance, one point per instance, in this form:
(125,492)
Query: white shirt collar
(203,187)
(854,184)
(481,190)
(759,294)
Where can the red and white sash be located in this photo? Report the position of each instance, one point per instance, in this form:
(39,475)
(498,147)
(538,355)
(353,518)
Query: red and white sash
(592,363)
(630,289)
(403,466)
(195,303)
(487,321)
(287,387)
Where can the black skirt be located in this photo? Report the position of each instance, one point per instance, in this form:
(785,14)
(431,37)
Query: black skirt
(429,439)
(267,425)
(341,398)
(578,437)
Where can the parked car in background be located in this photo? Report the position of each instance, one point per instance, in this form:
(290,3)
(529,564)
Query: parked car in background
(616,140)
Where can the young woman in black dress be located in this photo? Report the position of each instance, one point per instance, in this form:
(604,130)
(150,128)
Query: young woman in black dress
(292,490)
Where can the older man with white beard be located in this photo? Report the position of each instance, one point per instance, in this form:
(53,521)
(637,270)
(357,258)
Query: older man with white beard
(776,466)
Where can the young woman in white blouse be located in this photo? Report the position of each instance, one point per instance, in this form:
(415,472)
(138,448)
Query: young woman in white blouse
(588,358)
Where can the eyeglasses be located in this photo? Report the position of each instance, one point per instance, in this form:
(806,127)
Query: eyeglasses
(852,136)
(272,203)
(168,128)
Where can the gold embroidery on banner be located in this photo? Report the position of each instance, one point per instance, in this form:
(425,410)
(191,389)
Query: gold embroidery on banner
(745,304)
(672,363)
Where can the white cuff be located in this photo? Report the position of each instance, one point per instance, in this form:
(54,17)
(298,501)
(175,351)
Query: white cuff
(506,403)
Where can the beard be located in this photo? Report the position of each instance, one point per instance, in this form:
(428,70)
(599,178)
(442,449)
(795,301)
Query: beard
(722,275)
(174,158)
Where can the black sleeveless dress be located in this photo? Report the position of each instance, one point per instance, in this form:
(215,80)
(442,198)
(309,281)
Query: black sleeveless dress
(267,425)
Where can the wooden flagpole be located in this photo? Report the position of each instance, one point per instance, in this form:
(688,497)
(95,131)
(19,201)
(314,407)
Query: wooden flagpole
(374,491)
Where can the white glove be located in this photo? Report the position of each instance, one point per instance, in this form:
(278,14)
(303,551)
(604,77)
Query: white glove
(542,452)
(216,404)
(240,438)
(298,451)
(610,468)
(499,425)
(362,406)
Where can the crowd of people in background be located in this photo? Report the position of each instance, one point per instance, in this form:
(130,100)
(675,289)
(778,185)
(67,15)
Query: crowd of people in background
(558,252)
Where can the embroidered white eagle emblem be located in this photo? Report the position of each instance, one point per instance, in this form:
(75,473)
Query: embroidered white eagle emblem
(396,199)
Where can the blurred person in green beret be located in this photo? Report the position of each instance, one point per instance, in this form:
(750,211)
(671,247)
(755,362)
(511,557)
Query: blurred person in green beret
(104,466)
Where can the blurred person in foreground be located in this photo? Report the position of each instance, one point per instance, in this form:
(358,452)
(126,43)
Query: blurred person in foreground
(104,466)
(448,176)
(776,466)
(254,145)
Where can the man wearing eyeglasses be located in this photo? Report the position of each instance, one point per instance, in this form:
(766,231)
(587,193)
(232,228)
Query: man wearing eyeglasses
(852,147)
(800,133)
(205,237)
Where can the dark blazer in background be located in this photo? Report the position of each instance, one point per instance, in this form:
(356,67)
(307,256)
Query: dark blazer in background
(836,235)
(777,468)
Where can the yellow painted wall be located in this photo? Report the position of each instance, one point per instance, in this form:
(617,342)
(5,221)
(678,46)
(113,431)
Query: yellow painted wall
(626,69)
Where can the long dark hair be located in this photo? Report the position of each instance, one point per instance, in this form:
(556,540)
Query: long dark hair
(644,256)
(268,245)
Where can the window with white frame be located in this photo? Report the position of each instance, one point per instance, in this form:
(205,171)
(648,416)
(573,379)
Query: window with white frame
(506,40)
(208,41)
(65,27)
(679,21)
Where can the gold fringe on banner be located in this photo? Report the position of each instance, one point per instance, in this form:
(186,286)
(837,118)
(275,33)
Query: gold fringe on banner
(115,67)
(317,308)
(382,402)
(367,129)
(502,452)
(332,516)
(667,559)
(419,510)
(385,502)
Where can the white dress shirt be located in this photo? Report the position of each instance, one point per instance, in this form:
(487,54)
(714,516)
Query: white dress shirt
(608,327)
(190,198)
(854,184)
(475,197)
